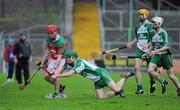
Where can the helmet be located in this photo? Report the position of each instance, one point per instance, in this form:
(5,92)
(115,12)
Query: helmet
(144,12)
(51,28)
(158,20)
(72,54)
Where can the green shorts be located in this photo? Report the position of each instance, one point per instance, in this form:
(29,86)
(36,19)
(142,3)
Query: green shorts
(139,53)
(104,80)
(164,59)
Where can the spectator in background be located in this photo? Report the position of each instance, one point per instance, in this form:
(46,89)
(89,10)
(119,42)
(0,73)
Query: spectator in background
(9,59)
(22,54)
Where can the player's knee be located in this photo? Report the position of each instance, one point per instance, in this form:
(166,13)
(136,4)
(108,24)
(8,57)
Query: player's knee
(117,90)
(137,68)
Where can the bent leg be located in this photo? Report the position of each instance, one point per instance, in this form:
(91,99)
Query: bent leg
(173,78)
(102,94)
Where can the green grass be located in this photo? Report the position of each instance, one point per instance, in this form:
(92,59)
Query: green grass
(81,96)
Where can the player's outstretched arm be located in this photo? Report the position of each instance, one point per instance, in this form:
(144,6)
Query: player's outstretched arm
(130,44)
(65,74)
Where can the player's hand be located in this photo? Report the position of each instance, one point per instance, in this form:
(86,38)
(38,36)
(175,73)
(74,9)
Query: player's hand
(51,70)
(145,47)
(54,76)
(129,45)
(144,56)
(42,64)
(152,53)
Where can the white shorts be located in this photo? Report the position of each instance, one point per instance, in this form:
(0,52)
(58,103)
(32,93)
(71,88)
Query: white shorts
(53,62)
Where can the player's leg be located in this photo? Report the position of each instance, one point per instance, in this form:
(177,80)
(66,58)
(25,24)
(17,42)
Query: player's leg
(106,81)
(167,60)
(58,86)
(102,94)
(151,70)
(117,88)
(138,63)
(51,80)
(152,80)
(174,79)
(152,84)
(57,83)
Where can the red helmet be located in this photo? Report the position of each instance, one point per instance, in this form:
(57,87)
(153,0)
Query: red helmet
(51,28)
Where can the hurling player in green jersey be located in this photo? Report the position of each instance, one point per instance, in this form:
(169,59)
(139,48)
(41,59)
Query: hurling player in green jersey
(160,52)
(143,32)
(98,75)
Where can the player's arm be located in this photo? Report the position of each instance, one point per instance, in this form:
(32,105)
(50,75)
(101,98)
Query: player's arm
(164,48)
(130,44)
(65,74)
(166,44)
(59,56)
(45,55)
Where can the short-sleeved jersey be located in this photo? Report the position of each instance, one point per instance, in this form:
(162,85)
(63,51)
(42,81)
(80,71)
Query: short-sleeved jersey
(87,70)
(59,46)
(160,39)
(143,34)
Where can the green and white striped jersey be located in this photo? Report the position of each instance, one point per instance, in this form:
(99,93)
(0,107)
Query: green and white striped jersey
(160,39)
(143,34)
(87,70)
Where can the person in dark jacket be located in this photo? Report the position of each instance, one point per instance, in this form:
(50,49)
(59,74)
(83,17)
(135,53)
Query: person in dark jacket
(22,54)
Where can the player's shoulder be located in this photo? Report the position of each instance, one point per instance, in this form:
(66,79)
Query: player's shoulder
(79,61)
(137,25)
(163,32)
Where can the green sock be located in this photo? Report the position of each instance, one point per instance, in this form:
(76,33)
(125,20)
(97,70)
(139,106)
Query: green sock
(140,86)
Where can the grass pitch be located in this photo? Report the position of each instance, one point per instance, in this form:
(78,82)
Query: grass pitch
(81,96)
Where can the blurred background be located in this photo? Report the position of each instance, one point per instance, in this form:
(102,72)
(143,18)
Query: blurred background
(87,25)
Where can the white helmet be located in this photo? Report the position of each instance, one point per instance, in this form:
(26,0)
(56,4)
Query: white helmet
(158,20)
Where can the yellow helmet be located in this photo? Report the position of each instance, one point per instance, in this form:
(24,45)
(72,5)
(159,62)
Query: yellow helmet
(143,11)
